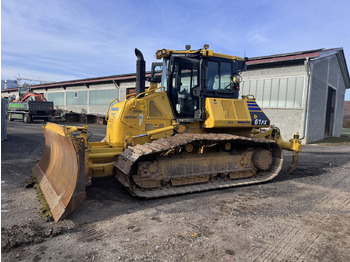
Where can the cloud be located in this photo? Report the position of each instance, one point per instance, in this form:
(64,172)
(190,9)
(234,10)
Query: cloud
(256,38)
(58,38)
(14,72)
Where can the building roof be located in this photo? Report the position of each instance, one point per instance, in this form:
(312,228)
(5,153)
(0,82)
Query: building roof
(283,57)
(303,55)
(86,81)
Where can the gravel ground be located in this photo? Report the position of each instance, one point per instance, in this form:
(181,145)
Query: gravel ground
(302,216)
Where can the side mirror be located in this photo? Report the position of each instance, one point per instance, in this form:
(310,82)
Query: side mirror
(156,73)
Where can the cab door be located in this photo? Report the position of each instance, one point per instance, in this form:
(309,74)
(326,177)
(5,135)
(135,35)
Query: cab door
(183,85)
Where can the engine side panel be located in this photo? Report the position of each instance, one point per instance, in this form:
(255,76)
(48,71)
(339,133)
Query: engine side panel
(136,116)
(234,113)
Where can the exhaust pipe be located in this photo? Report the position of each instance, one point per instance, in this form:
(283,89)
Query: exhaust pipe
(140,72)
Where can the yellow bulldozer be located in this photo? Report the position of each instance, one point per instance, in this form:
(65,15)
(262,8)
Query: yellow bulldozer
(188,132)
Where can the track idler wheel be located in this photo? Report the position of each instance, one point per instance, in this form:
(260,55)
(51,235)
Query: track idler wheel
(262,159)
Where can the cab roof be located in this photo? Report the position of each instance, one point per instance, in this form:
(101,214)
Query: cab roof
(204,52)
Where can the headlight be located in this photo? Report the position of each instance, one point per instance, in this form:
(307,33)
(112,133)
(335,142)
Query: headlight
(237,79)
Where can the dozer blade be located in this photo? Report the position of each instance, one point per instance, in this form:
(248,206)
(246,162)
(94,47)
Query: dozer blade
(61,171)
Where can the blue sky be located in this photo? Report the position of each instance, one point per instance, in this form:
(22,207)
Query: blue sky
(60,40)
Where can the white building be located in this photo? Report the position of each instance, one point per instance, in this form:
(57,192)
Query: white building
(301,92)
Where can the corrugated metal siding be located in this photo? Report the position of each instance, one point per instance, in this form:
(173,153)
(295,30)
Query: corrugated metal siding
(102,97)
(76,98)
(56,98)
(278,92)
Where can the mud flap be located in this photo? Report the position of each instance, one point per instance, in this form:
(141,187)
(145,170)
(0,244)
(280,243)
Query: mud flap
(61,173)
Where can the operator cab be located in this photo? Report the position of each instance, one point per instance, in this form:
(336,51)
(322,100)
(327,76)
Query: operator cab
(191,76)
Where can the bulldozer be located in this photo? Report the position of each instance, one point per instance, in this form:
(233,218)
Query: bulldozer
(187,132)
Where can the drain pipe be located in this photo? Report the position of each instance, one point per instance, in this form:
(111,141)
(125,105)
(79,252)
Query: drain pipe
(307,105)
(140,72)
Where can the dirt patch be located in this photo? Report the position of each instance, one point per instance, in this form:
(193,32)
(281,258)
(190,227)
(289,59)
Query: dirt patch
(31,233)
(301,216)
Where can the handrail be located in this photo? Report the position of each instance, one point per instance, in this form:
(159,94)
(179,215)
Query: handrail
(130,95)
(148,91)
(106,117)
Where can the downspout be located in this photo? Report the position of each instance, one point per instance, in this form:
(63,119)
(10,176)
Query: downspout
(140,72)
(307,99)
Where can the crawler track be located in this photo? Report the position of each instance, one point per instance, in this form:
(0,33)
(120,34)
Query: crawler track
(188,163)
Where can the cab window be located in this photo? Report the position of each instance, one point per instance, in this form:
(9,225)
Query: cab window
(219,75)
(225,73)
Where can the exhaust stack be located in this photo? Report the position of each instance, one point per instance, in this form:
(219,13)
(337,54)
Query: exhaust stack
(140,72)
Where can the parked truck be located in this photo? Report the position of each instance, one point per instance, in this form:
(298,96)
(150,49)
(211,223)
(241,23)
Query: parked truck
(30,106)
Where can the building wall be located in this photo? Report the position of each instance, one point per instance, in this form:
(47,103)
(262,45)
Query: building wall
(123,88)
(325,74)
(346,110)
(283,92)
(289,121)
(339,110)
(87,99)
(9,84)
(346,117)
(280,91)
(93,99)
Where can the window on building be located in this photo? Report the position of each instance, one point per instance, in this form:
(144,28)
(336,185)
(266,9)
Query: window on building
(77,98)
(56,98)
(130,91)
(102,97)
